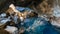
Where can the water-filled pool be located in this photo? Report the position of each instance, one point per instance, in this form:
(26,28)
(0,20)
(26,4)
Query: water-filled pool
(38,25)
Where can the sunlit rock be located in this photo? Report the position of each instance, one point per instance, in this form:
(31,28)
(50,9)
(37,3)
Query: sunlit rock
(11,29)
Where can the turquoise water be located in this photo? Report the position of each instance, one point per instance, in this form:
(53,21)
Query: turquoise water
(38,25)
(43,27)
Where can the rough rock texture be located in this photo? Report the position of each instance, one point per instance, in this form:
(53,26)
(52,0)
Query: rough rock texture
(4,5)
(45,7)
(2,31)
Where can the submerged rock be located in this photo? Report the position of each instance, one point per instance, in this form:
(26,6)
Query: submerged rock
(39,25)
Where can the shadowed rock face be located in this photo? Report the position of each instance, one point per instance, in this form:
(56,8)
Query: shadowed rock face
(25,3)
(4,4)
(42,6)
(4,32)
